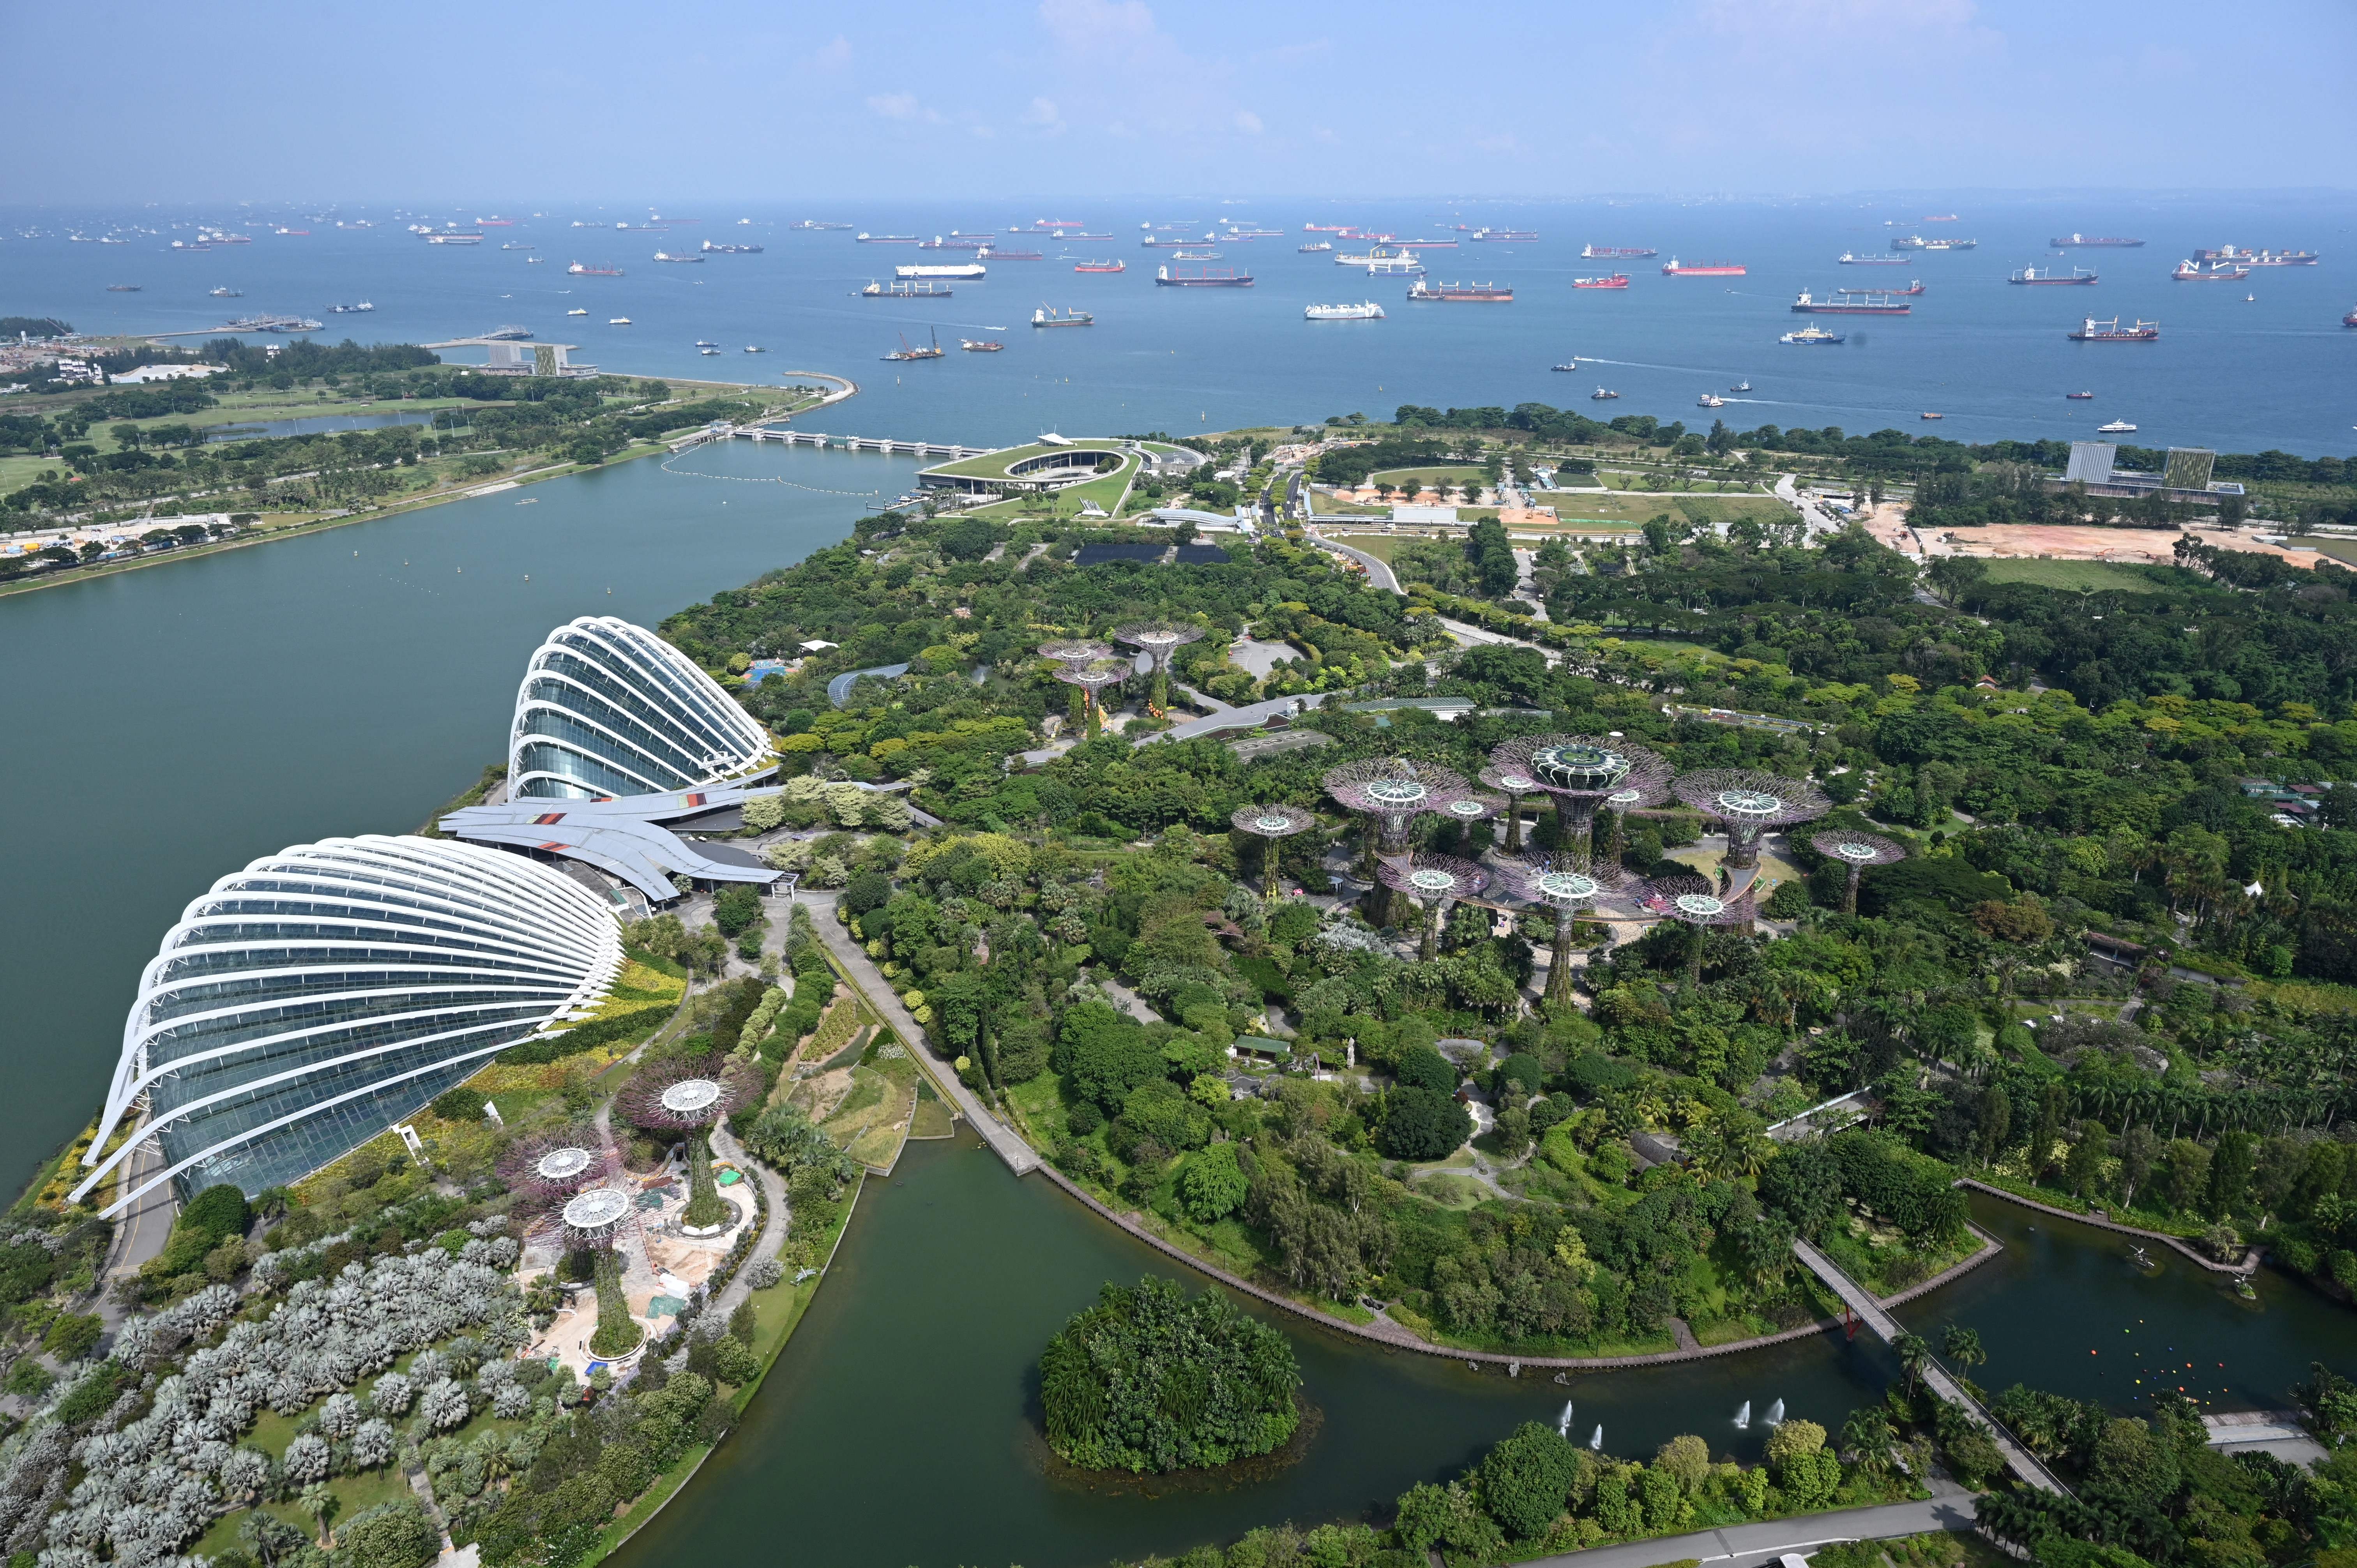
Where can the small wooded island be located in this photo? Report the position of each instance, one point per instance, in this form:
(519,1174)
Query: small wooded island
(1147,1381)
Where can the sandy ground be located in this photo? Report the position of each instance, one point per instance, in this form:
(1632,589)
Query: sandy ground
(2134,546)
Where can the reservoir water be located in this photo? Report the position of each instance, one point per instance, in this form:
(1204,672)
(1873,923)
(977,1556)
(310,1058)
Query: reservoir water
(2234,374)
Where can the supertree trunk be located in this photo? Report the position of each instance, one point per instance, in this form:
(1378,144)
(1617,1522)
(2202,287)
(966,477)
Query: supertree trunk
(1694,958)
(1076,711)
(1742,850)
(1849,890)
(1558,985)
(1514,825)
(705,1208)
(616,1332)
(1162,688)
(1095,718)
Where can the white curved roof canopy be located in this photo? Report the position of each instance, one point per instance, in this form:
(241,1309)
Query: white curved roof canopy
(610,708)
(305,1002)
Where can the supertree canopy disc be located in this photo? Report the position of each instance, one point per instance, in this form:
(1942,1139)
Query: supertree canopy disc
(1159,637)
(683,1096)
(545,1168)
(595,1217)
(1583,766)
(1847,846)
(1096,674)
(1075,651)
(1516,784)
(1748,803)
(1394,791)
(1566,885)
(1698,901)
(1272,822)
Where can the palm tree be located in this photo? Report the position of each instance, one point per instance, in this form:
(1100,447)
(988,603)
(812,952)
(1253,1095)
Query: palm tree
(320,1503)
(1913,1351)
(1963,1346)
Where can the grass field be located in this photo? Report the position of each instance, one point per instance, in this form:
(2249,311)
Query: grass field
(1574,505)
(2339,549)
(2081,577)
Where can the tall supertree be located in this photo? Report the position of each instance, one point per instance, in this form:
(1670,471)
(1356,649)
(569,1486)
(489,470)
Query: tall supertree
(1391,793)
(1566,886)
(1747,804)
(1515,784)
(597,1220)
(1581,772)
(1858,850)
(689,1096)
(1092,677)
(1270,824)
(1161,639)
(1694,900)
(1070,650)
(1435,882)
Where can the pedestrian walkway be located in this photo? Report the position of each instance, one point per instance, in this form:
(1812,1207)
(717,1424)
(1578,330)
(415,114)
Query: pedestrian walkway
(1020,1155)
(773,1229)
(1745,1545)
(1887,1328)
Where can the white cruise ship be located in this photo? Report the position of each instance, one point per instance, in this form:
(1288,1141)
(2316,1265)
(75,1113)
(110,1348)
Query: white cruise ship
(1367,311)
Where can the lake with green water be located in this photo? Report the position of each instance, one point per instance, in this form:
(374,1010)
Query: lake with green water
(167,725)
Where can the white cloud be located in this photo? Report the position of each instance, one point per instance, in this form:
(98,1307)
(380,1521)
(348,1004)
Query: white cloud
(835,56)
(1044,114)
(895,105)
(1248,123)
(1098,24)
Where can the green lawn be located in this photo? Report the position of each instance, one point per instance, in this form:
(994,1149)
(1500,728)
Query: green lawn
(1454,476)
(2081,577)
(1578,506)
(2340,549)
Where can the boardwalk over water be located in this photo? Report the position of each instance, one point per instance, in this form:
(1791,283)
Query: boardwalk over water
(1861,1302)
(759,433)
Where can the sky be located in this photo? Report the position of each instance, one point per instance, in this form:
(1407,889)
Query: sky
(289,101)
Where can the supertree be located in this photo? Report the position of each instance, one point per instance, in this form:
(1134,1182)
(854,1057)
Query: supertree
(1695,901)
(1581,771)
(1747,804)
(1161,639)
(688,1095)
(543,1169)
(1269,825)
(598,1219)
(1858,850)
(1566,887)
(1091,678)
(1391,793)
(1438,880)
(1516,784)
(1067,652)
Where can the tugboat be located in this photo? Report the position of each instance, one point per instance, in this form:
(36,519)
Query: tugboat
(1711,399)
(1602,394)
(1740,386)
(2081,396)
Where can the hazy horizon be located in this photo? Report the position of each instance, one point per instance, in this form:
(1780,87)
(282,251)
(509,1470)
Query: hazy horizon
(1690,100)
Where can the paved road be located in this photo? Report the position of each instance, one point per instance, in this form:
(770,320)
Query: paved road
(1020,1155)
(142,1230)
(1251,717)
(1744,1545)
(1379,571)
(1887,1328)
(1814,519)
(1463,632)
(773,1232)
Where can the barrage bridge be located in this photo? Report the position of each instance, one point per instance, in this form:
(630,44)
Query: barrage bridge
(759,433)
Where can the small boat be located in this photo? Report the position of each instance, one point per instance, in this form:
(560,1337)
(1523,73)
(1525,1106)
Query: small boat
(229,293)
(979,345)
(1601,395)
(617,321)
(705,343)
(756,347)
(124,287)
(1931,416)
(1710,400)
(1813,337)
(577,310)
(2250,300)
(2080,397)
(1740,386)
(2117,427)
(707,350)
(1566,365)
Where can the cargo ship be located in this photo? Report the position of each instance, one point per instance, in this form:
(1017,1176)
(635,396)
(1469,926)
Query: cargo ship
(813,224)
(666,257)
(1196,256)
(1917,242)
(1428,244)
(1058,223)
(1395,267)
(1851,258)
(1201,277)
(2050,277)
(1461,293)
(2189,271)
(866,239)
(2094,331)
(1611,280)
(2259,258)
(981,345)
(1164,243)
(1101,267)
(1914,287)
(1675,268)
(1049,315)
(711,249)
(1317,247)
(993,253)
(2095,243)
(2350,319)
(932,352)
(967,270)
(1503,234)
(1616,253)
(957,242)
(1808,304)
(925,290)
(1325,228)
(2080,396)
(577,270)
(1812,337)
(1366,311)
(454,239)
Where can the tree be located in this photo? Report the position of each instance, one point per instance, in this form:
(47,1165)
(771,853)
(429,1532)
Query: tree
(2083,1168)
(1421,1067)
(1913,1351)
(320,1503)
(392,1534)
(1213,1185)
(1868,1430)
(2139,1148)
(268,1537)
(1526,1477)
(1419,1125)
(1963,1346)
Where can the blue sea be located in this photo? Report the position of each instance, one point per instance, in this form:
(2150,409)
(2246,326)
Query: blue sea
(2232,374)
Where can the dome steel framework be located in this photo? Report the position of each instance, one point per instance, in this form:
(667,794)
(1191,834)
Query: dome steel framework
(1847,846)
(1747,804)
(609,709)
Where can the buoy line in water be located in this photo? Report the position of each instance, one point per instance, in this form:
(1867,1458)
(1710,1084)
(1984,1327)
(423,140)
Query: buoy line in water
(763,479)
